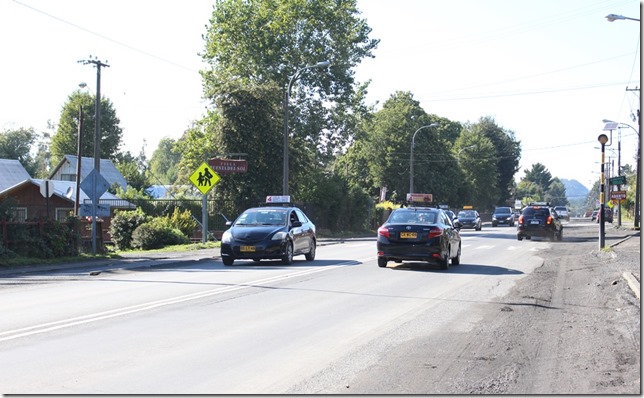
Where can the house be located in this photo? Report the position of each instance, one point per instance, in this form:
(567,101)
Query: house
(12,172)
(66,170)
(29,198)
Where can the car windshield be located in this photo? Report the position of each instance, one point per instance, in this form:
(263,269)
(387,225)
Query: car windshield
(262,217)
(466,214)
(410,216)
(503,210)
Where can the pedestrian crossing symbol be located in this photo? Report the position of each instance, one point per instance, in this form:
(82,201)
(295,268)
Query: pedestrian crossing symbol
(204,178)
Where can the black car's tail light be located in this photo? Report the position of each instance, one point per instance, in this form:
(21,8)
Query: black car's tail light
(383,231)
(549,220)
(434,232)
(521,219)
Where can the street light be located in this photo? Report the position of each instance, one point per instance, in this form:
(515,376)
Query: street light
(458,155)
(615,17)
(287,94)
(636,213)
(411,156)
(603,139)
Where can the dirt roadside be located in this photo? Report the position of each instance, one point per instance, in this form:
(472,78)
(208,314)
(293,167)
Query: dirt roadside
(581,336)
(572,326)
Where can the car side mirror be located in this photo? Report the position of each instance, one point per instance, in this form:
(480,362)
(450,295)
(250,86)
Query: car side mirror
(296,224)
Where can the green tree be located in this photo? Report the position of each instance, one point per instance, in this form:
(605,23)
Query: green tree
(539,175)
(65,140)
(556,193)
(163,168)
(507,153)
(264,43)
(133,169)
(16,144)
(479,170)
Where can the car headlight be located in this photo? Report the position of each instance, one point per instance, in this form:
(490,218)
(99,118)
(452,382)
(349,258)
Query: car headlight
(226,237)
(280,235)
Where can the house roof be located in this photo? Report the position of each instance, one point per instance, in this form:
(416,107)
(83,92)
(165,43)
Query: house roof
(108,169)
(11,173)
(67,190)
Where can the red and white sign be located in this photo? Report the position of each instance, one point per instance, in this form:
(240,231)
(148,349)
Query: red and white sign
(228,166)
(420,197)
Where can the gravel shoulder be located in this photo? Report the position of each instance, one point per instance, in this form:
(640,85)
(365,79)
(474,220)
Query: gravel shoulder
(572,326)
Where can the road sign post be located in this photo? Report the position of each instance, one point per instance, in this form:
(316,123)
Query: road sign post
(204,178)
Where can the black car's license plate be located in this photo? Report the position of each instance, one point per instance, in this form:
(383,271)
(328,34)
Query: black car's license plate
(408,235)
(535,222)
(247,248)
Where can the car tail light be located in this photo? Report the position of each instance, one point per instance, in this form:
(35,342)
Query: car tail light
(521,219)
(549,220)
(434,232)
(383,231)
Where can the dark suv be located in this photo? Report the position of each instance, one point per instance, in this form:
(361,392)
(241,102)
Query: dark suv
(503,215)
(539,219)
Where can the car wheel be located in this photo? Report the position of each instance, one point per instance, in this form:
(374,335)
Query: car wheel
(528,237)
(228,260)
(288,255)
(519,237)
(310,256)
(444,263)
(382,262)
(457,260)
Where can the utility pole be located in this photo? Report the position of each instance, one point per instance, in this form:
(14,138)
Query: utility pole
(636,213)
(97,141)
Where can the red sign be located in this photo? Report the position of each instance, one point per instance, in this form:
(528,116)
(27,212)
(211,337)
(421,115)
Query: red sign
(419,197)
(228,166)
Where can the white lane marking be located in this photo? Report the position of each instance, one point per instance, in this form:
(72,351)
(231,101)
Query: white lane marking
(50,326)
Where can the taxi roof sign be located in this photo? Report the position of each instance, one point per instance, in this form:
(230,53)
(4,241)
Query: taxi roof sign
(278,199)
(419,197)
(468,207)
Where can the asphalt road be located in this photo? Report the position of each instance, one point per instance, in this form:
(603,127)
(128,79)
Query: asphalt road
(184,323)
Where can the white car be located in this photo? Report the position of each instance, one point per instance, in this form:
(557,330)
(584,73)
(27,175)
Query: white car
(562,211)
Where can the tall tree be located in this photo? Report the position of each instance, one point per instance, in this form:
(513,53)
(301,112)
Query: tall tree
(163,167)
(16,144)
(267,43)
(507,153)
(480,173)
(65,140)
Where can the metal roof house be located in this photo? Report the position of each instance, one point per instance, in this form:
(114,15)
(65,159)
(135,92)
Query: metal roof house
(66,170)
(12,172)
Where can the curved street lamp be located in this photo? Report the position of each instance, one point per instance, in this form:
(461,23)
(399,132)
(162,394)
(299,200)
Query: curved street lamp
(287,94)
(411,156)
(615,17)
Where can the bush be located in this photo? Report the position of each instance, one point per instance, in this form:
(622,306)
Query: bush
(123,225)
(183,221)
(156,234)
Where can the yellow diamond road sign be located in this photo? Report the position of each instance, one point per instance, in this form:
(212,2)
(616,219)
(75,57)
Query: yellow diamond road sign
(204,178)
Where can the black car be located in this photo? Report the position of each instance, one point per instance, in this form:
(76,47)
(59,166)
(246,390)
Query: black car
(419,234)
(608,215)
(469,219)
(280,231)
(503,215)
(539,219)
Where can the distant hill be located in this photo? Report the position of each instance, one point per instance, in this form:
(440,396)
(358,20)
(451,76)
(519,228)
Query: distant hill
(574,189)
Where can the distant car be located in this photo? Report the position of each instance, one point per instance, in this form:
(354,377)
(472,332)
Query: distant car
(278,231)
(469,219)
(539,219)
(419,234)
(562,211)
(503,215)
(450,214)
(608,215)
(594,215)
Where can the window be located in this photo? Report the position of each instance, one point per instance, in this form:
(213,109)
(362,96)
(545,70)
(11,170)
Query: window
(19,213)
(63,213)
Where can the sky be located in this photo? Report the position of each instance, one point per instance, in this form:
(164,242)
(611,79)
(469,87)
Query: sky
(548,70)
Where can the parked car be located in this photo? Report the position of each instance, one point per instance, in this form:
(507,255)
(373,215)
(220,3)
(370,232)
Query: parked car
(562,211)
(539,219)
(503,215)
(277,231)
(419,234)
(469,219)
